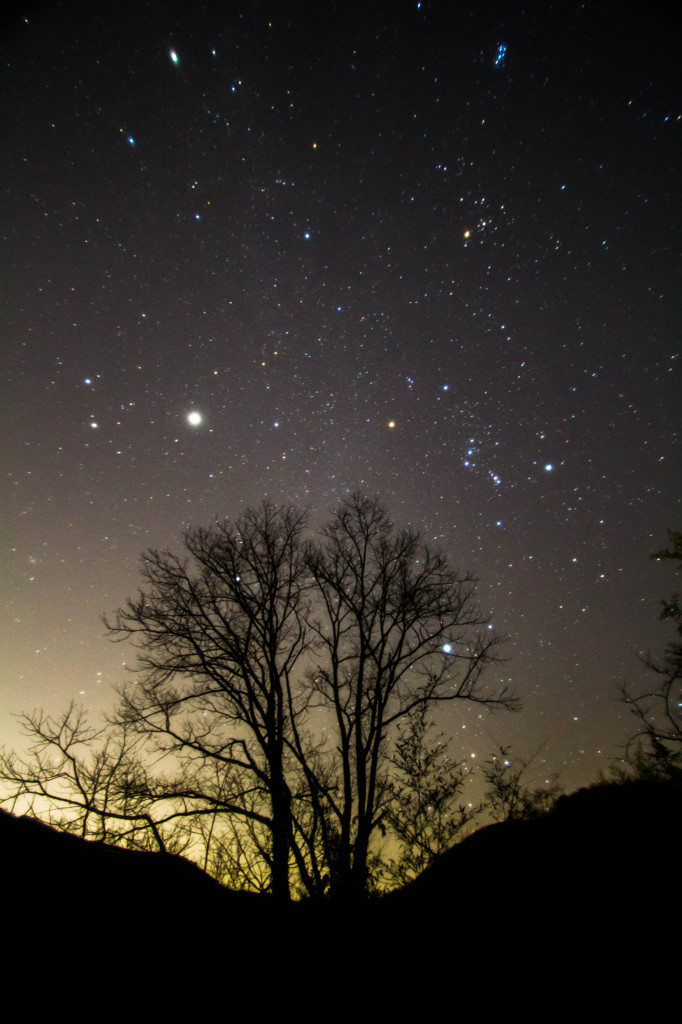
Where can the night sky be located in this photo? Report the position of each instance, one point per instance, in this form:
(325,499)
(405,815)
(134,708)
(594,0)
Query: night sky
(288,250)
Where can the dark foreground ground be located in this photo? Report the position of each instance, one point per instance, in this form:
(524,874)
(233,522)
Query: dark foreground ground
(594,881)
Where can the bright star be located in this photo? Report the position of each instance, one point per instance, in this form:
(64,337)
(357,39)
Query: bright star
(194,418)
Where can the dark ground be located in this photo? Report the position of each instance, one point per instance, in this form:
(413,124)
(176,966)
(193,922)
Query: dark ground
(601,862)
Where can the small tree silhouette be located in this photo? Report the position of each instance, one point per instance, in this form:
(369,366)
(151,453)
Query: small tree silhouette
(655,749)
(508,798)
(422,811)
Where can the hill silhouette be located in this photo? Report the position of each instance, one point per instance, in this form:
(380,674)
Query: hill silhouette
(46,863)
(596,865)
(600,855)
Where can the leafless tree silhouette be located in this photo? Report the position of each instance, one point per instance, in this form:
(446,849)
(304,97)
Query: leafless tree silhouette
(276,676)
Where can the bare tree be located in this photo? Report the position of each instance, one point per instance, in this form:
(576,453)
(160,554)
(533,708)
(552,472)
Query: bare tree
(655,748)
(508,797)
(399,630)
(426,812)
(221,633)
(262,723)
(88,781)
(236,851)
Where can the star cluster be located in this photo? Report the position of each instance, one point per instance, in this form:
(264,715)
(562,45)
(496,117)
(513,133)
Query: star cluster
(287,251)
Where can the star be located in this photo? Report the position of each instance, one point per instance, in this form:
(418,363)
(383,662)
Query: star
(465,270)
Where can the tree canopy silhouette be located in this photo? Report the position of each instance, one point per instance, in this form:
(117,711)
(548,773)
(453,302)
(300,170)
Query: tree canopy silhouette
(276,675)
(220,634)
(399,629)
